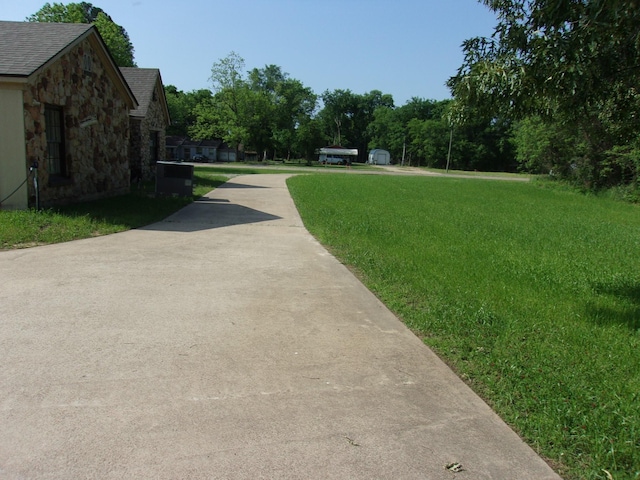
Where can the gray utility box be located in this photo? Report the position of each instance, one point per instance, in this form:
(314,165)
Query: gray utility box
(175,179)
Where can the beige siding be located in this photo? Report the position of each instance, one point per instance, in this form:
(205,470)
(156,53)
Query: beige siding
(13,170)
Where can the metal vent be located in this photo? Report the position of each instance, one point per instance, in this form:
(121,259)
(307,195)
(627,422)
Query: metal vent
(174,179)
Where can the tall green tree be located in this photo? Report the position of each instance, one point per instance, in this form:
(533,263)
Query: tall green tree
(309,136)
(293,104)
(228,73)
(553,56)
(116,39)
(429,141)
(114,36)
(266,84)
(182,108)
(366,106)
(267,79)
(226,115)
(346,117)
(390,128)
(261,110)
(573,62)
(336,114)
(222,116)
(421,130)
(542,147)
(388,131)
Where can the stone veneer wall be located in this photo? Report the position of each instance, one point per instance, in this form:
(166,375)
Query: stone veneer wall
(135,149)
(141,161)
(97,155)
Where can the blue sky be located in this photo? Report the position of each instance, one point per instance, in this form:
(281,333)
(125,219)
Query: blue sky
(407,48)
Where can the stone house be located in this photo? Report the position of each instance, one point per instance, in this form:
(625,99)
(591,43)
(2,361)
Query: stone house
(64,107)
(149,121)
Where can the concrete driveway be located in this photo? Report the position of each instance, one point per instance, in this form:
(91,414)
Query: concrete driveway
(225,342)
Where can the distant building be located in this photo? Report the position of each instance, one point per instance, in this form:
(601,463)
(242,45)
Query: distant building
(185,149)
(379,157)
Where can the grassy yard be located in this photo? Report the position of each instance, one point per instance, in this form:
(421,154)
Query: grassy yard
(532,295)
(19,229)
(281,167)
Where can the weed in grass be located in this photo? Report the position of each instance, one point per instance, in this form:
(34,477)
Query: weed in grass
(531,294)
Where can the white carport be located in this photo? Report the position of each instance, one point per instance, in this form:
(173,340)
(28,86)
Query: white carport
(336,151)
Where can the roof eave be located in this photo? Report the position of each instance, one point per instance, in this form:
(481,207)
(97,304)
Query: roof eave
(113,71)
(163,101)
(116,74)
(13,79)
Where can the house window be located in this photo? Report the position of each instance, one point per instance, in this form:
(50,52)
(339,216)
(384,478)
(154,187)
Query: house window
(87,64)
(55,141)
(154,146)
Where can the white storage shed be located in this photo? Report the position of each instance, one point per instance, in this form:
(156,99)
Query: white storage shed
(379,157)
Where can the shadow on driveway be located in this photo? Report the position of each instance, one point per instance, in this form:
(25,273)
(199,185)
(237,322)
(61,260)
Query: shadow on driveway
(209,213)
(238,185)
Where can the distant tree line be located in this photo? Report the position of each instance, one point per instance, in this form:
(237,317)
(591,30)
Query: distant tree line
(554,90)
(266,111)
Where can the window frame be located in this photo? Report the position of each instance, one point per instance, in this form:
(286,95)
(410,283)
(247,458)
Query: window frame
(56,149)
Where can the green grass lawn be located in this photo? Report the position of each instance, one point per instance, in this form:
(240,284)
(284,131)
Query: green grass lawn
(280,167)
(474,173)
(19,229)
(532,295)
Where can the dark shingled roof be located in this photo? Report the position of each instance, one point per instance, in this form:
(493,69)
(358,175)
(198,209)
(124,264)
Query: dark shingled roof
(142,82)
(27,46)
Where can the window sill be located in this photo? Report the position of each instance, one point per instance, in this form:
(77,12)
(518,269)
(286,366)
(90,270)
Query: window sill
(58,181)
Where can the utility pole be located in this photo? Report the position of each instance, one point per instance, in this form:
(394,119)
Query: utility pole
(449,154)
